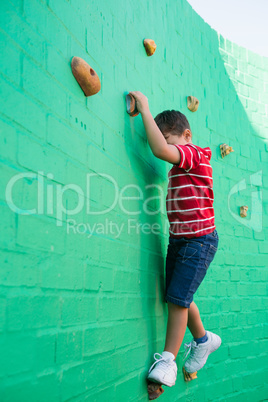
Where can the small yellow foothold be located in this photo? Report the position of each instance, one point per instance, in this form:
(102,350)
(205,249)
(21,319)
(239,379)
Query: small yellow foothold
(189,376)
(243,211)
(150,46)
(192,103)
(225,150)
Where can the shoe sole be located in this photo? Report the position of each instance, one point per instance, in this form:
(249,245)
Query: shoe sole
(157,381)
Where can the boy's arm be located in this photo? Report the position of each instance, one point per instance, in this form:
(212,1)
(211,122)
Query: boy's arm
(157,142)
(160,148)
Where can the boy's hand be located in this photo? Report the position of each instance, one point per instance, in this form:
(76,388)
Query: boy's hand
(156,140)
(141,101)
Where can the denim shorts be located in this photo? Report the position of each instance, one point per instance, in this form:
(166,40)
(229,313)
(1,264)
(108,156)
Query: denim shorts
(187,262)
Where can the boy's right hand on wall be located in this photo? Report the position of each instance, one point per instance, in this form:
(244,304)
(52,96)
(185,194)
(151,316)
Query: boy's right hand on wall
(141,101)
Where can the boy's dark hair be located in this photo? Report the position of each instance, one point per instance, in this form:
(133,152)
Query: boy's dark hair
(172,121)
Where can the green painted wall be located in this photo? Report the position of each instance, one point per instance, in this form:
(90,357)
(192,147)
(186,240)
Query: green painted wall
(82,311)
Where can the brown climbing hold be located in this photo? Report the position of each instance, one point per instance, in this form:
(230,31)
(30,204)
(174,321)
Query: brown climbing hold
(189,376)
(192,103)
(154,390)
(243,211)
(131,105)
(150,46)
(86,77)
(225,150)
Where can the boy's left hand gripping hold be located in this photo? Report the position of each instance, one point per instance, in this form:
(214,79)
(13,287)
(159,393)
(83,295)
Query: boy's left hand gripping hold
(136,103)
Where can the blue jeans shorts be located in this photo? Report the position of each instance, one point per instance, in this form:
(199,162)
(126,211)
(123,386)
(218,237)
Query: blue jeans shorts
(187,262)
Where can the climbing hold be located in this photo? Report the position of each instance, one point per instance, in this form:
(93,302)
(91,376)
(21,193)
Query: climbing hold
(154,389)
(243,211)
(189,376)
(225,150)
(192,103)
(131,105)
(150,46)
(86,77)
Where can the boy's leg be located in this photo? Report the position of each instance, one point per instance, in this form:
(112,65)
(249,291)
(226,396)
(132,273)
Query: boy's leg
(204,343)
(164,369)
(195,324)
(176,327)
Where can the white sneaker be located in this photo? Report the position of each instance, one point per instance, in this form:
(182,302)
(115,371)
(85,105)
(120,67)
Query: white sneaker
(200,352)
(164,369)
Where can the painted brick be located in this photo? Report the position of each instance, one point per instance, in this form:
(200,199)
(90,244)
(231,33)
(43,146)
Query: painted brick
(45,349)
(10,354)
(8,235)
(59,67)
(60,136)
(28,114)
(2,314)
(45,386)
(12,71)
(49,26)
(26,37)
(62,274)
(42,87)
(19,269)
(24,312)
(67,15)
(8,144)
(68,347)
(40,233)
(78,309)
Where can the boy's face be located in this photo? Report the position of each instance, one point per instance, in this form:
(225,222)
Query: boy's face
(185,138)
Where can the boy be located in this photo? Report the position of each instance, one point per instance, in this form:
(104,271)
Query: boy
(193,239)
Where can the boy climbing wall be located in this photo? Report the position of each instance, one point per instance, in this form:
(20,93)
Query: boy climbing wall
(193,241)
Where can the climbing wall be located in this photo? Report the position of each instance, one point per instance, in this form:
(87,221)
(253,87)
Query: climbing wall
(83,223)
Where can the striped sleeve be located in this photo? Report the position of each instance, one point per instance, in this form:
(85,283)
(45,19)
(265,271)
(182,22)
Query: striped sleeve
(208,153)
(190,157)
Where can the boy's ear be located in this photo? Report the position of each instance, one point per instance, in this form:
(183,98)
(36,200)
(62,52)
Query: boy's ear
(187,134)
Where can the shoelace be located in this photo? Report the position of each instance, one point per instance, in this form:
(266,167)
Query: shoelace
(188,348)
(157,361)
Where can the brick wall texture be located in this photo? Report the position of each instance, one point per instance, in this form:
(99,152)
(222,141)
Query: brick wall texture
(82,266)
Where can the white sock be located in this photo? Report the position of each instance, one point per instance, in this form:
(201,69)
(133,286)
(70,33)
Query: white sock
(168,355)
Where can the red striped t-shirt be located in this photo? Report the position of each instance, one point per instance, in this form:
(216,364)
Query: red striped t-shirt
(190,197)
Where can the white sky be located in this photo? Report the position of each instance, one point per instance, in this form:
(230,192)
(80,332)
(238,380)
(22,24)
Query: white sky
(244,22)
